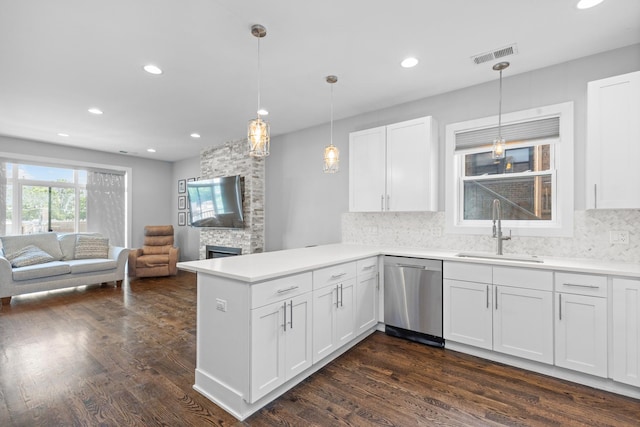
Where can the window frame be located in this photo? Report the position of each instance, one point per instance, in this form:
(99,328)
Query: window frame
(561,169)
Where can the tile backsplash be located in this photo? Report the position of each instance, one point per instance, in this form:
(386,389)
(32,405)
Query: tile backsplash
(426,230)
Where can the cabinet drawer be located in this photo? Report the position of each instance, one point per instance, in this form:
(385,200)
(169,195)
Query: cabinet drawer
(280,289)
(523,278)
(581,284)
(330,275)
(367,266)
(467,272)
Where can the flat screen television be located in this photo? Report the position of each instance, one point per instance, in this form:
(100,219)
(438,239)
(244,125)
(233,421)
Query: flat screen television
(216,203)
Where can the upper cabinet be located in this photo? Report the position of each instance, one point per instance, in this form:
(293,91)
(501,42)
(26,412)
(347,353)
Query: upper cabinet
(613,142)
(394,167)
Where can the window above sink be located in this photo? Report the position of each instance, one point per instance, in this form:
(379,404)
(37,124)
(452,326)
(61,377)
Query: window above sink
(534,181)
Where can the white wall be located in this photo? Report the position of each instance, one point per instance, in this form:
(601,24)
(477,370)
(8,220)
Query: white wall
(187,238)
(152,184)
(304,206)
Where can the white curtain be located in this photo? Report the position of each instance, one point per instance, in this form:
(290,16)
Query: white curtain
(106,205)
(3,198)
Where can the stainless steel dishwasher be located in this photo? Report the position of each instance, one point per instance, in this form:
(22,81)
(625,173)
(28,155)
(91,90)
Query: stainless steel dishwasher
(413,299)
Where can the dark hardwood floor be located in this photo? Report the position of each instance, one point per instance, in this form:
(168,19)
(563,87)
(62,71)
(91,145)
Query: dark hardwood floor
(108,356)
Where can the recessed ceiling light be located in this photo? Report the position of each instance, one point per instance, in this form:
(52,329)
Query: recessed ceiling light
(63,134)
(586,4)
(195,135)
(152,69)
(151,150)
(409,62)
(96,111)
(263,112)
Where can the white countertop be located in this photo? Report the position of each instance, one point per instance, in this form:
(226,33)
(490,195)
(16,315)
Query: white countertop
(268,265)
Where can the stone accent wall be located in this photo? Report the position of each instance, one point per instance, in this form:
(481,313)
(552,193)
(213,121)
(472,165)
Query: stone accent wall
(232,158)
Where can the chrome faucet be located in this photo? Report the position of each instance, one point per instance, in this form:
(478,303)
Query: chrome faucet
(497,229)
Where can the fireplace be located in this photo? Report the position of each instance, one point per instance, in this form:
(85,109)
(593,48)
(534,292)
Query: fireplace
(221,251)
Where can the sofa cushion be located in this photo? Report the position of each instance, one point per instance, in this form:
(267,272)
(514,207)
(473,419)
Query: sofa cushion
(38,271)
(68,243)
(91,265)
(29,255)
(48,242)
(91,247)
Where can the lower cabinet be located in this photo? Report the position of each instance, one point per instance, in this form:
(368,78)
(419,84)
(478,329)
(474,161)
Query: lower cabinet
(523,323)
(333,317)
(281,343)
(509,311)
(468,313)
(581,323)
(626,331)
(366,294)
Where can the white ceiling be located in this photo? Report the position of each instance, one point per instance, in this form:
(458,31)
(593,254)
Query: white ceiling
(59,58)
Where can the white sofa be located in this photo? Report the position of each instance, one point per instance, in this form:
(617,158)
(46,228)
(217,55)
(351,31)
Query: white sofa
(46,261)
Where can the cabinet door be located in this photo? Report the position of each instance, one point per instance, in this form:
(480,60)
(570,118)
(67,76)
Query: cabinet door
(581,333)
(613,132)
(324,318)
(410,170)
(468,313)
(298,338)
(626,331)
(366,302)
(267,349)
(367,170)
(345,312)
(523,323)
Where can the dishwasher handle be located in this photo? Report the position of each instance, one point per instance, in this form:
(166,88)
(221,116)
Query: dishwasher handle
(419,267)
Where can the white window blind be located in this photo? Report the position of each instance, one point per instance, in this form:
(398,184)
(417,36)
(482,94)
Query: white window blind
(523,131)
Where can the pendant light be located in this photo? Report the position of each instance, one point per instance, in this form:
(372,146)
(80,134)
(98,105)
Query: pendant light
(258,130)
(499,147)
(331,152)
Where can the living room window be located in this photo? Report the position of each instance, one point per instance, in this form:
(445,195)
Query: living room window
(40,198)
(534,181)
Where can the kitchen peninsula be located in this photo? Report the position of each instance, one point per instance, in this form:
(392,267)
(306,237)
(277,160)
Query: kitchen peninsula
(267,321)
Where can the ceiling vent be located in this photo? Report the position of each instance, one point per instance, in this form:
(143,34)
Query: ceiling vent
(481,58)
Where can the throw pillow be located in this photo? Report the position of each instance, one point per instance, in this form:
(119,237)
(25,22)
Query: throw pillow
(91,247)
(29,255)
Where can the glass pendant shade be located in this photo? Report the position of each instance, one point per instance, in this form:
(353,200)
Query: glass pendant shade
(331,159)
(258,137)
(499,148)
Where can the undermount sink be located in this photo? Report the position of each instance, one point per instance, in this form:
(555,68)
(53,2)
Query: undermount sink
(485,255)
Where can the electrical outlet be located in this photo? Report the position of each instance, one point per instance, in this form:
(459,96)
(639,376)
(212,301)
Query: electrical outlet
(221,304)
(619,237)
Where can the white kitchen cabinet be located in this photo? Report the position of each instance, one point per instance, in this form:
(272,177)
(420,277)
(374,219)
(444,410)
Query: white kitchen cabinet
(468,315)
(613,132)
(366,294)
(523,313)
(281,333)
(508,310)
(394,167)
(281,343)
(523,323)
(581,323)
(626,330)
(333,308)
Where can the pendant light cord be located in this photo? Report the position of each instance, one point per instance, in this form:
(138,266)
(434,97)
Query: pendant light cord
(331,137)
(259,78)
(500,109)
